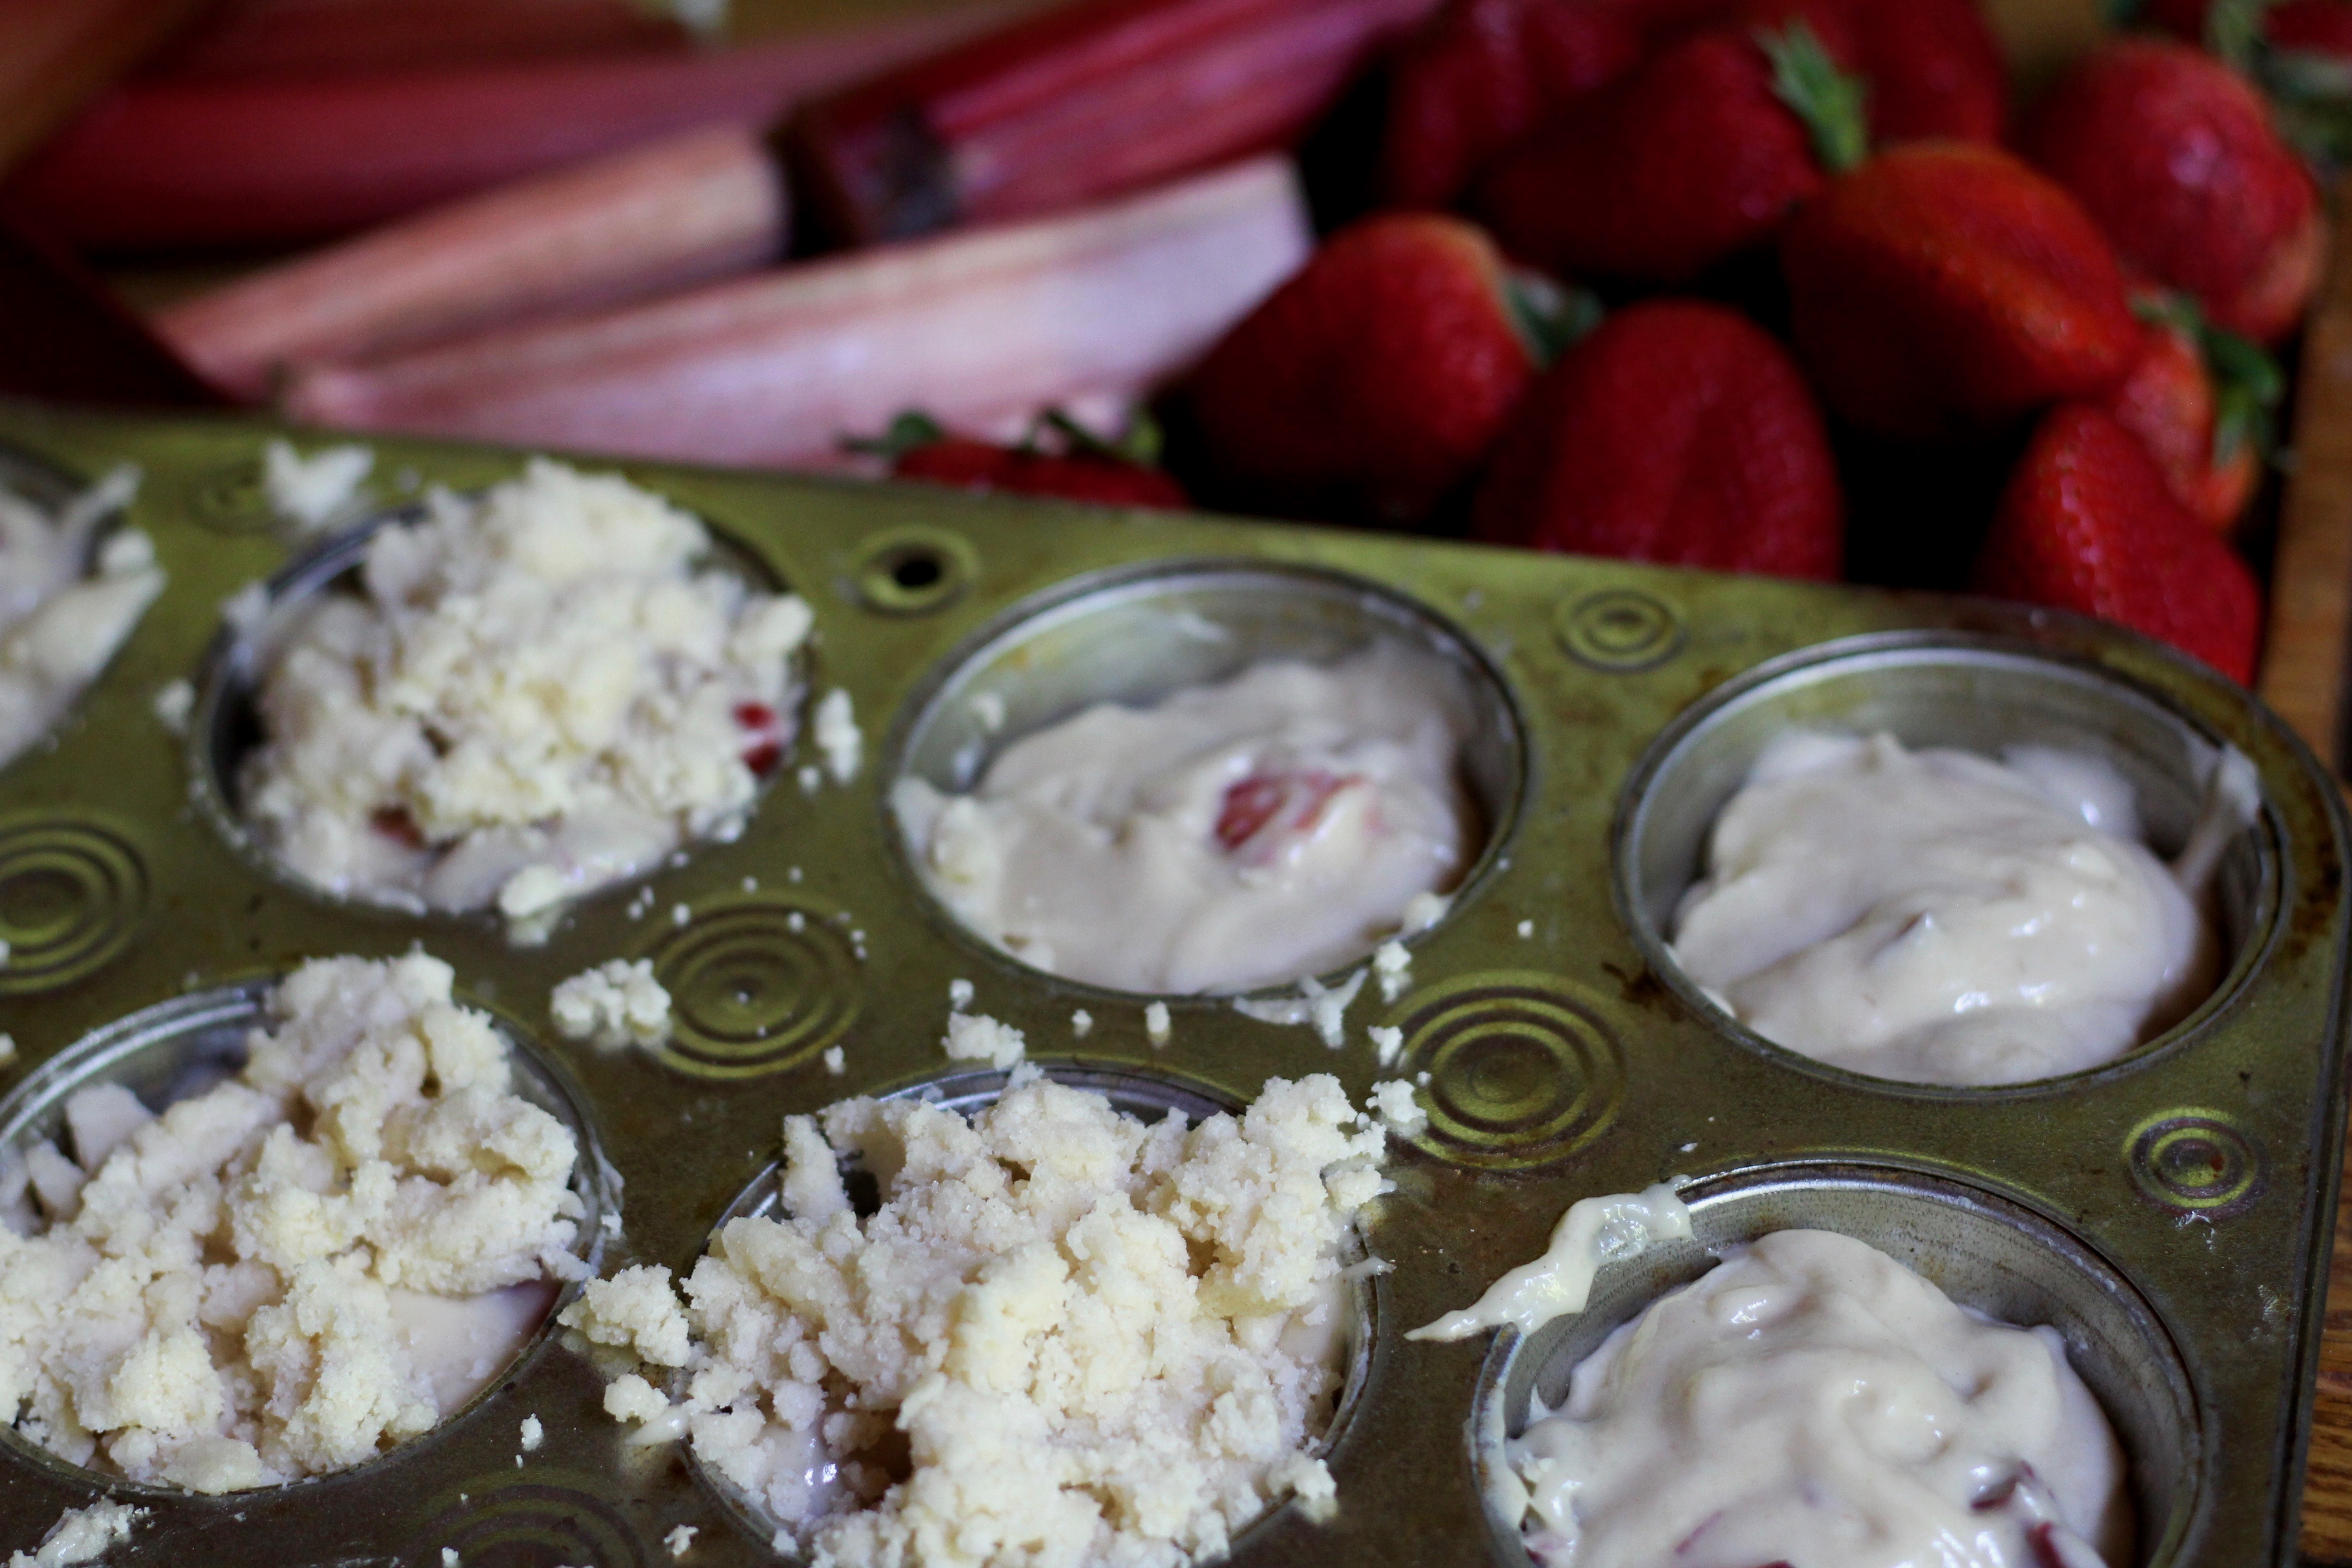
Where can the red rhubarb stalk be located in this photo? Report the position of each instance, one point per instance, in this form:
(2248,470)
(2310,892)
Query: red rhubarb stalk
(246,38)
(222,163)
(54,55)
(776,369)
(1082,102)
(680,211)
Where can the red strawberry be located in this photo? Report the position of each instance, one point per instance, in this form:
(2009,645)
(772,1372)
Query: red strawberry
(2087,524)
(1678,431)
(1075,476)
(1479,75)
(1936,70)
(1372,384)
(2174,154)
(2199,401)
(1944,288)
(1658,176)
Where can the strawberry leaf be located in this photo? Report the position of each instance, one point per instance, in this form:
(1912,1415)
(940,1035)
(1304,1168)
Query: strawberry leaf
(910,429)
(1833,103)
(1550,318)
(1138,444)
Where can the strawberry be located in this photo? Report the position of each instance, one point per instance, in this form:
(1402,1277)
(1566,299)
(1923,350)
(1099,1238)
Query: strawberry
(1696,156)
(2310,27)
(1678,431)
(1934,66)
(1372,384)
(2174,154)
(1942,289)
(1479,75)
(1087,468)
(2087,524)
(2199,401)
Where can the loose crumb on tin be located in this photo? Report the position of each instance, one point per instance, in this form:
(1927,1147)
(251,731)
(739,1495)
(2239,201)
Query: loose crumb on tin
(834,1063)
(310,495)
(1398,1108)
(617,1004)
(976,1036)
(1157,1026)
(838,739)
(81,1535)
(534,1434)
(1082,1023)
(680,1539)
(1527,930)
(450,1557)
(1392,962)
(175,702)
(1323,1007)
(1388,1044)
(245,609)
(959,994)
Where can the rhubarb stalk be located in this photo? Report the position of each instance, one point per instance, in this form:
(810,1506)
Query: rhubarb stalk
(326,38)
(683,210)
(54,55)
(170,163)
(776,369)
(1079,103)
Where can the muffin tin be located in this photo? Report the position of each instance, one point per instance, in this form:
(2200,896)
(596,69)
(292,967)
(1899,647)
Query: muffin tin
(2169,1212)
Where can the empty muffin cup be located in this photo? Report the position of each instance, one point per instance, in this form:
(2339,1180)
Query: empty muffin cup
(1940,859)
(1996,1259)
(1205,777)
(333,1210)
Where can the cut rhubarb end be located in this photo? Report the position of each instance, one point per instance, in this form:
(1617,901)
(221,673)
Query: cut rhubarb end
(395,822)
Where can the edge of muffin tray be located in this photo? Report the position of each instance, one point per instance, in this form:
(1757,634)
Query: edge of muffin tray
(2195,1176)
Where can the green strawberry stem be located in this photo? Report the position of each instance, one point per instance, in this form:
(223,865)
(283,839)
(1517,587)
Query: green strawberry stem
(2248,384)
(1138,444)
(1549,317)
(910,429)
(1833,103)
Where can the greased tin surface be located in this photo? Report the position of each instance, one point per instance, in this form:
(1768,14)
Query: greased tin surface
(2169,1212)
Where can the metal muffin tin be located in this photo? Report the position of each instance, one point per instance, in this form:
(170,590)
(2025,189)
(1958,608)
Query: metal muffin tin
(2169,1213)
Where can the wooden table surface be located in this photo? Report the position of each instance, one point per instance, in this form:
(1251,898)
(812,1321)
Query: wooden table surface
(2304,677)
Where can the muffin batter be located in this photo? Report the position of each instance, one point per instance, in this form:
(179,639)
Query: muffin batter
(299,1267)
(1227,838)
(62,614)
(534,694)
(1810,1400)
(1067,1337)
(1939,916)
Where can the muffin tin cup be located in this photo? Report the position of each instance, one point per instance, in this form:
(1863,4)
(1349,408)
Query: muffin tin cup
(1148,1097)
(1132,638)
(225,726)
(1969,693)
(1982,1249)
(2190,1186)
(177,1050)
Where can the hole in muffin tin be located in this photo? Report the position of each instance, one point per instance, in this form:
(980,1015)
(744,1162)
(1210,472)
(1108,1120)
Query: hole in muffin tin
(1984,1251)
(1136,636)
(914,571)
(1975,694)
(178,1049)
(225,726)
(1146,1097)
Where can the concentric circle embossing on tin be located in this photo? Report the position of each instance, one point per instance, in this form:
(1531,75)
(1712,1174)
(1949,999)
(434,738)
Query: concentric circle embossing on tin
(1620,630)
(914,571)
(1522,1070)
(231,500)
(513,1520)
(756,984)
(2195,1161)
(71,897)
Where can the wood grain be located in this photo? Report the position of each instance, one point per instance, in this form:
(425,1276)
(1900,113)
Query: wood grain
(2304,677)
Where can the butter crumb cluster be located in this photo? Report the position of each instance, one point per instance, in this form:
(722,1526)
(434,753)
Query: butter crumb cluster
(1065,1336)
(616,1005)
(223,1296)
